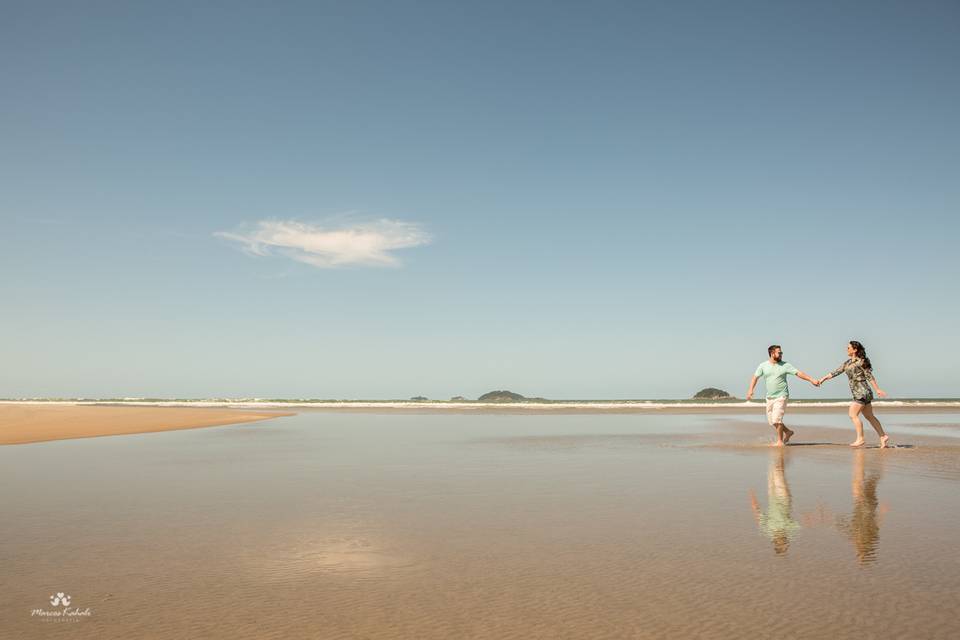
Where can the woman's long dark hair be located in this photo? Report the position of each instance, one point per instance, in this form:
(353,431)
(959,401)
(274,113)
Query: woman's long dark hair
(861,354)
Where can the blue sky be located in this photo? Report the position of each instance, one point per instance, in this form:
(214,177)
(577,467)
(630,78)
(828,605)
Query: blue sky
(573,200)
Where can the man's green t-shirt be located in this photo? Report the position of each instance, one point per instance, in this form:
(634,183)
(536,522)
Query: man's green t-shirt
(775,377)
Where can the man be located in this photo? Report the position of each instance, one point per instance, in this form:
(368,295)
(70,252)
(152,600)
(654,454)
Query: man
(774,372)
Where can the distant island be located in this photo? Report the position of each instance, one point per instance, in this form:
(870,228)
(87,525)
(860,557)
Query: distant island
(419,398)
(506,396)
(712,393)
(457,399)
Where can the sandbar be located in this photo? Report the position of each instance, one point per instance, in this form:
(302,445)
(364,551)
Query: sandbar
(27,423)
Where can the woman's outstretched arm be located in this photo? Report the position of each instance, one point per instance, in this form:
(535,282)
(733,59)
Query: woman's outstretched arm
(833,374)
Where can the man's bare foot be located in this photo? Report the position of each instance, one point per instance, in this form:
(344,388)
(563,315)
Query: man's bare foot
(883,441)
(857,443)
(787,434)
(778,443)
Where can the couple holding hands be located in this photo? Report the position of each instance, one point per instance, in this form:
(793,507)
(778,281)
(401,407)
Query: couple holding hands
(774,372)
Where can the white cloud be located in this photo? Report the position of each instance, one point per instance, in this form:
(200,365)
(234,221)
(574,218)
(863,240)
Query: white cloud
(366,244)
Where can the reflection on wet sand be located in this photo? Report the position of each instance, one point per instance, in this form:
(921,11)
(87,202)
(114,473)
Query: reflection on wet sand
(777,522)
(290,552)
(862,526)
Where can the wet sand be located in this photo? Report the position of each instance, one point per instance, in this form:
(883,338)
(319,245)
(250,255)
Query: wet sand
(520,409)
(26,423)
(345,525)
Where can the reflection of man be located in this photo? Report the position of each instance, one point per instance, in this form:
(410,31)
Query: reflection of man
(777,521)
(774,372)
(863,525)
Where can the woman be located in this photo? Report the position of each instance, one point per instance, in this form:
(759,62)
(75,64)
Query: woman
(860,371)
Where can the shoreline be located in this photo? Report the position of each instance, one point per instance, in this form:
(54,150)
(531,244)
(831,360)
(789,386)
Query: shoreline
(27,423)
(558,407)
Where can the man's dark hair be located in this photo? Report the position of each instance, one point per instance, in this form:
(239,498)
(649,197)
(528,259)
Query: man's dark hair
(771,348)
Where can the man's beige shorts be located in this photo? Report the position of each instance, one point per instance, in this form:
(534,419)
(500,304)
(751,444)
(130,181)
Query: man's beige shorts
(775,410)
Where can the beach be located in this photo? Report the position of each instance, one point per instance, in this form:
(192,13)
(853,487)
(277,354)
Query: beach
(23,423)
(340,524)
(465,321)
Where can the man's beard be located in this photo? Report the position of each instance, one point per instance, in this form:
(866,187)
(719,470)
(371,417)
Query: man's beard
(778,359)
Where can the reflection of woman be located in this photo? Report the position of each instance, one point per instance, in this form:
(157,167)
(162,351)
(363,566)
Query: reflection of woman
(860,372)
(863,525)
(777,522)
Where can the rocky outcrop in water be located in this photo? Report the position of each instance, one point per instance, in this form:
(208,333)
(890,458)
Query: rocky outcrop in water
(712,393)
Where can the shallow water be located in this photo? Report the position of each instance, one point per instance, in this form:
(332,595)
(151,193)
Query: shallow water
(338,525)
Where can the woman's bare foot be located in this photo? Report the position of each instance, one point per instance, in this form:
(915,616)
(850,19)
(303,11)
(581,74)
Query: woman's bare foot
(787,434)
(857,443)
(778,443)
(883,441)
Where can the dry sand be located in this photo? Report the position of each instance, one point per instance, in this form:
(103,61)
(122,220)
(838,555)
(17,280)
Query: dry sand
(24,423)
